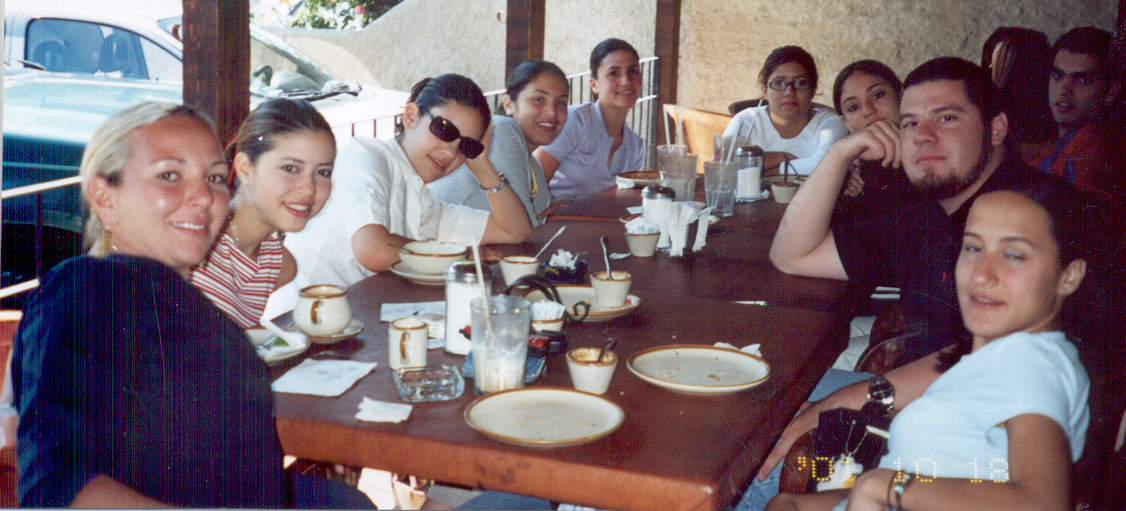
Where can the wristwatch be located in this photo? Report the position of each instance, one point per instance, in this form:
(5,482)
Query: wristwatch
(881,393)
(499,187)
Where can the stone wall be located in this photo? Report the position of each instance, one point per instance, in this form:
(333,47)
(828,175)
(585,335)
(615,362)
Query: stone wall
(722,42)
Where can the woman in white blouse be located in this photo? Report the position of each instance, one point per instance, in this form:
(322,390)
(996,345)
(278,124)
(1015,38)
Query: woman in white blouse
(789,127)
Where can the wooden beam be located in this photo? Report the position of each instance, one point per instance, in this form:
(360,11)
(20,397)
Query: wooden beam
(667,49)
(524,26)
(216,39)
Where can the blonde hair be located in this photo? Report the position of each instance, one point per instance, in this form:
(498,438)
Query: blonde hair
(108,151)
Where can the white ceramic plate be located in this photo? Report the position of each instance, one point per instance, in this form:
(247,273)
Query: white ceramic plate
(545,417)
(572,294)
(418,278)
(640,178)
(699,370)
(270,356)
(354,328)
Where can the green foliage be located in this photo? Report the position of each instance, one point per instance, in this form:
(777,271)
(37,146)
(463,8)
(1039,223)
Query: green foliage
(339,14)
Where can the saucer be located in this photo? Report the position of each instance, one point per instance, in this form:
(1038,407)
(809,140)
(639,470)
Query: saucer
(425,279)
(353,329)
(574,294)
(271,356)
(639,178)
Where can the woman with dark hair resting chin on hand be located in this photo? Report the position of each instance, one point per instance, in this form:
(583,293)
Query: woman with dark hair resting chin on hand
(1001,426)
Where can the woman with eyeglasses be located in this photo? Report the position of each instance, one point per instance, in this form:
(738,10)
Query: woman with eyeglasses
(596,144)
(789,127)
(380,195)
(532,113)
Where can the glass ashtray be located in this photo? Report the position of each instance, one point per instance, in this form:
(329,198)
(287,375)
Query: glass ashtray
(430,383)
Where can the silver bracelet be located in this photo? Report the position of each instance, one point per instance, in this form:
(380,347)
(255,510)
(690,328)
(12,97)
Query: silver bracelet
(900,486)
(497,188)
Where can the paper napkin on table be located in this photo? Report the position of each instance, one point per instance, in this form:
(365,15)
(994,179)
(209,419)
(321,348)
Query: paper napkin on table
(634,210)
(680,216)
(392,311)
(752,349)
(322,377)
(382,411)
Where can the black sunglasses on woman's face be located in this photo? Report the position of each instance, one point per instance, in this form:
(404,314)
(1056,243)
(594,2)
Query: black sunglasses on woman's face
(445,130)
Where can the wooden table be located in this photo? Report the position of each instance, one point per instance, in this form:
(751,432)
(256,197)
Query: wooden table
(732,266)
(610,205)
(673,452)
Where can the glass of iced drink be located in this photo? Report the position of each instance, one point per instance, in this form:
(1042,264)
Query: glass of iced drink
(500,342)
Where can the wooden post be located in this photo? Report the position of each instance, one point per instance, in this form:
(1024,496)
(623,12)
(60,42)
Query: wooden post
(667,49)
(216,39)
(524,26)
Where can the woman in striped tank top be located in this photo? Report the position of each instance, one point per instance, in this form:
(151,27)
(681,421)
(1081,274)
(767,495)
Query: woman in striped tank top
(282,159)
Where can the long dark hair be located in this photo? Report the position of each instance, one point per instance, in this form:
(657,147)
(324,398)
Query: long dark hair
(272,118)
(430,93)
(786,54)
(868,67)
(1080,232)
(604,49)
(527,72)
(1021,74)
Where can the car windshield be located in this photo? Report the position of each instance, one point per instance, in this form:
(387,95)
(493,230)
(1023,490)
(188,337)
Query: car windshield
(276,67)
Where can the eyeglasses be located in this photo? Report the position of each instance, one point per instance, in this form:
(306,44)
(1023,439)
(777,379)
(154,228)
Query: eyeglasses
(780,85)
(445,130)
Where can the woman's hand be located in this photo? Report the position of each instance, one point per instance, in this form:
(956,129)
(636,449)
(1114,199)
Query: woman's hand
(855,184)
(481,166)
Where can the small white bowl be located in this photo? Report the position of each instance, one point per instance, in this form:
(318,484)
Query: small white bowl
(431,257)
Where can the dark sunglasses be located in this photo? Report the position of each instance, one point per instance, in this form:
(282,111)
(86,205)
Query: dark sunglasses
(445,130)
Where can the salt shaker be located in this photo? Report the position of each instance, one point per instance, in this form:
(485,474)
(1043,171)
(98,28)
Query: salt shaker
(748,177)
(655,201)
(462,286)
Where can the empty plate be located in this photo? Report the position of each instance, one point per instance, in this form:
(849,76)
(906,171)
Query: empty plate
(698,369)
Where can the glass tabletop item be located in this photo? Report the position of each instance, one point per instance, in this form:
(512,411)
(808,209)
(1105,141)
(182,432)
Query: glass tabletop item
(429,383)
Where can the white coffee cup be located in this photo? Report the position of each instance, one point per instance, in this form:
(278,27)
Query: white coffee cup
(586,374)
(611,293)
(514,267)
(406,343)
(322,310)
(642,245)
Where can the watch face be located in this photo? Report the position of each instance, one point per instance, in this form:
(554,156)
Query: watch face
(880,389)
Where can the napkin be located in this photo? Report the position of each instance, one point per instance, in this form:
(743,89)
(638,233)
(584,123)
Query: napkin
(634,210)
(322,377)
(752,349)
(623,183)
(546,310)
(382,411)
(640,225)
(763,195)
(392,311)
(681,214)
(273,353)
(563,259)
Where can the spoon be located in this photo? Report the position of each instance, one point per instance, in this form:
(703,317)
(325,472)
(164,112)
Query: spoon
(557,233)
(293,338)
(606,256)
(404,250)
(605,347)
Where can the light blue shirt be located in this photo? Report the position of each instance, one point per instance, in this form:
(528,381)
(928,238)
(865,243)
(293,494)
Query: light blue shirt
(955,428)
(583,148)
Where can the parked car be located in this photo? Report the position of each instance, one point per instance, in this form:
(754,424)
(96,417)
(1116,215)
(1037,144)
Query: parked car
(69,65)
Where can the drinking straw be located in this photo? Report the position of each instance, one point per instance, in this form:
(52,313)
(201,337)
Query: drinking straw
(731,150)
(668,142)
(679,130)
(785,167)
(484,291)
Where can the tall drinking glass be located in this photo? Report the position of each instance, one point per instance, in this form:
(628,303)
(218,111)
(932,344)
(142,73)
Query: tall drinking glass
(678,168)
(719,187)
(500,342)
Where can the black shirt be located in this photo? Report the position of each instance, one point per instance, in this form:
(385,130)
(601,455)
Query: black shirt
(914,246)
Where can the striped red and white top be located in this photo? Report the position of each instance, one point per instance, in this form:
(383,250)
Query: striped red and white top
(238,285)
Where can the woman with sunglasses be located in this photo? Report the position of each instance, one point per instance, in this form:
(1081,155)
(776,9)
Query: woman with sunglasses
(596,144)
(532,113)
(789,127)
(381,198)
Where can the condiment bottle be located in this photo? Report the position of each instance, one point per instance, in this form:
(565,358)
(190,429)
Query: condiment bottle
(655,201)
(748,176)
(461,287)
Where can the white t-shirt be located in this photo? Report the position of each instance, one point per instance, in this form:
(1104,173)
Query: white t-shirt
(809,146)
(955,428)
(373,183)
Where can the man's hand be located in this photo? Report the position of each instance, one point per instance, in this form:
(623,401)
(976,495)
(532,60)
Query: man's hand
(855,185)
